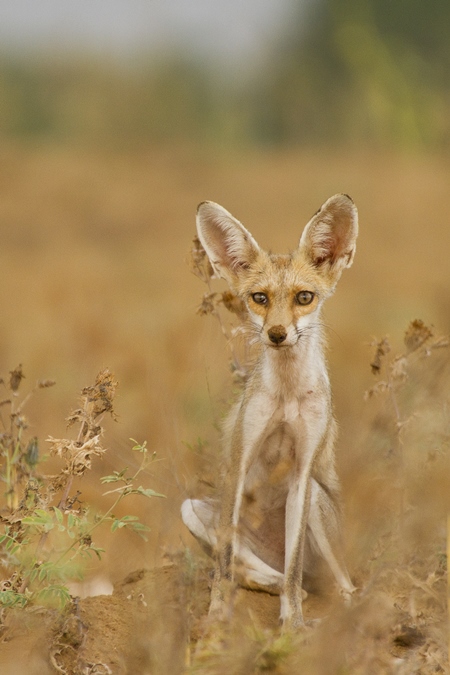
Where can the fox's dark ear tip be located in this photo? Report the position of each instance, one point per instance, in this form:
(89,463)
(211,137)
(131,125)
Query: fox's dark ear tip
(344,194)
(201,204)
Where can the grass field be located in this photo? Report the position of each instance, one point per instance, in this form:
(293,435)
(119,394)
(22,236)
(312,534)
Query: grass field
(93,274)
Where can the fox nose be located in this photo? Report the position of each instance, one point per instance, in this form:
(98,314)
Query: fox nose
(277,334)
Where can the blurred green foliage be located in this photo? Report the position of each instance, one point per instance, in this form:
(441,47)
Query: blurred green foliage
(89,98)
(363,70)
(345,71)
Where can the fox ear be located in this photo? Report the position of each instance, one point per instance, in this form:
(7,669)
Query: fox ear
(329,239)
(230,247)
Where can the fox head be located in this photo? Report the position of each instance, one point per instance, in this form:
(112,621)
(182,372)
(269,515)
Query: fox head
(283,293)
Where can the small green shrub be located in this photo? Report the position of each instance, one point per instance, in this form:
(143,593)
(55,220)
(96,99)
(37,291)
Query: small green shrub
(46,534)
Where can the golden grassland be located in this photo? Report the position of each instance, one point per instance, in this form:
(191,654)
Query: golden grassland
(93,253)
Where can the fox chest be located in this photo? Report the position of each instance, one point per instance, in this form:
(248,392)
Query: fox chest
(268,422)
(278,437)
(275,458)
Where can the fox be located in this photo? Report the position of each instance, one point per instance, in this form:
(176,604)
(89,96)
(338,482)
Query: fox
(279,500)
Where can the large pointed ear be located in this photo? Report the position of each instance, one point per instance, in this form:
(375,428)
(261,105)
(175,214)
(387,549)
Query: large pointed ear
(230,247)
(329,239)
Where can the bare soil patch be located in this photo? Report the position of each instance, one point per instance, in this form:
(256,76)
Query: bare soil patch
(155,622)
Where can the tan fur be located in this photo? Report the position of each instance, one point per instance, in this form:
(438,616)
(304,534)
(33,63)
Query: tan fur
(280,495)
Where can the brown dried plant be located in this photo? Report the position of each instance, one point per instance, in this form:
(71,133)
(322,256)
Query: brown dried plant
(394,372)
(19,455)
(45,531)
(405,553)
(213,303)
(96,401)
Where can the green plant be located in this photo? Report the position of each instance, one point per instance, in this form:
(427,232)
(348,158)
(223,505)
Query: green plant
(46,532)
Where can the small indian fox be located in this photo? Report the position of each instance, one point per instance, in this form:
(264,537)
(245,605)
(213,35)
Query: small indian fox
(279,499)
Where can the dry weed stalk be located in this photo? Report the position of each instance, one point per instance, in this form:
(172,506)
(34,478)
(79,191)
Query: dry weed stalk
(37,567)
(394,370)
(96,400)
(213,302)
(30,516)
(20,455)
(409,568)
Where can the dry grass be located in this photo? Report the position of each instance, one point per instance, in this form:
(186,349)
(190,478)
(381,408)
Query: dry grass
(93,254)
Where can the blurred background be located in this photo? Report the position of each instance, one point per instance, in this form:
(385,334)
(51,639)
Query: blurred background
(117,117)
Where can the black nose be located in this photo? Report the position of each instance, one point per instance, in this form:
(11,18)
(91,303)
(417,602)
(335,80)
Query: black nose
(277,334)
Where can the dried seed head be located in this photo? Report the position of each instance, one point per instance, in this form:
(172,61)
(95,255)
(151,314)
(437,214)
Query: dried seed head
(199,261)
(416,335)
(101,394)
(78,455)
(43,384)
(378,388)
(16,376)
(398,368)
(234,304)
(75,416)
(20,421)
(208,304)
(382,348)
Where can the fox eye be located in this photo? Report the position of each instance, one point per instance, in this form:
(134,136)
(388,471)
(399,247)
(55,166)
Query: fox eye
(304,298)
(260,298)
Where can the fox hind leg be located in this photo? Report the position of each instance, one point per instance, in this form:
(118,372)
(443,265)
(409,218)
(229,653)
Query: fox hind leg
(202,519)
(324,524)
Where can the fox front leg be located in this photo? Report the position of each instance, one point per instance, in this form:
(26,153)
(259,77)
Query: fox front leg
(297,510)
(220,605)
(230,506)
(247,435)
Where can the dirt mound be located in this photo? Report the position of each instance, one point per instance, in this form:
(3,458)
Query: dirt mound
(155,623)
(145,626)
(118,633)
